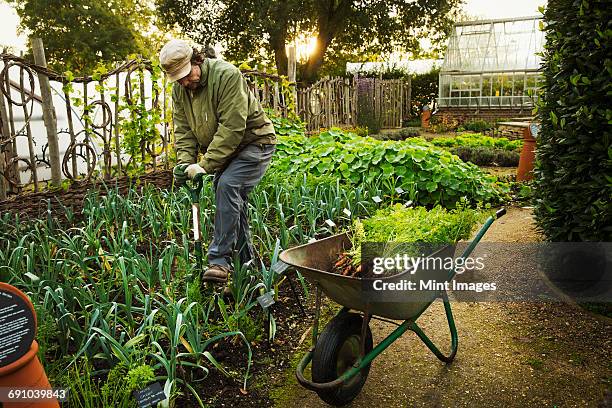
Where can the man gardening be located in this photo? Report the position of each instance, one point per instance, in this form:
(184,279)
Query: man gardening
(216,114)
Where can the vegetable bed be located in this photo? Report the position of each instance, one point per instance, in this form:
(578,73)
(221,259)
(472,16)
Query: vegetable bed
(111,284)
(428,174)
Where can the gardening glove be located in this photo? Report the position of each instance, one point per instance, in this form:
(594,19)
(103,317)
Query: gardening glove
(194,169)
(180,177)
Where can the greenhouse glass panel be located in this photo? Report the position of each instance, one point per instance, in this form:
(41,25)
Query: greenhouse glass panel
(492,63)
(445,82)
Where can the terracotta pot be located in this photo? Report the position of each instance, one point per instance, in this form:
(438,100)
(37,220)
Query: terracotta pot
(27,371)
(527,159)
(425,116)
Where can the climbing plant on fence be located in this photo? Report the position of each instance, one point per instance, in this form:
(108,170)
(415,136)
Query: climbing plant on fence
(574,156)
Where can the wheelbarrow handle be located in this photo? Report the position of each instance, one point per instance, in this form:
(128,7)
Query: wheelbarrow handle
(500,213)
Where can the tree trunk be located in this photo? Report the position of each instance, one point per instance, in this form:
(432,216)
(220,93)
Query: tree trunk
(330,20)
(280,55)
(278,35)
(316,58)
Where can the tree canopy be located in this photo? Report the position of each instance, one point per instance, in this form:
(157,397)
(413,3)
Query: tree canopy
(78,34)
(341,26)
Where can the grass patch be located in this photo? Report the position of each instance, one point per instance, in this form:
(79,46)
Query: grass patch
(534,363)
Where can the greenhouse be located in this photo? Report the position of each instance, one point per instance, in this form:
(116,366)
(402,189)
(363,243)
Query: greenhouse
(492,64)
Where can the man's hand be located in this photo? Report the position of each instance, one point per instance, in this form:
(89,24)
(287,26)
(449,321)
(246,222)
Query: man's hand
(194,169)
(180,177)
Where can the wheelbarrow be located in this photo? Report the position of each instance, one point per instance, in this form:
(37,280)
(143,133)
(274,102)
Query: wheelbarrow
(342,354)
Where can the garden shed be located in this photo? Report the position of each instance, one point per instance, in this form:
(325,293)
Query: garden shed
(491,69)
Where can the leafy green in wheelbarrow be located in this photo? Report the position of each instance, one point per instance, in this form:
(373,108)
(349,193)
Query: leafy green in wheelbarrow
(398,224)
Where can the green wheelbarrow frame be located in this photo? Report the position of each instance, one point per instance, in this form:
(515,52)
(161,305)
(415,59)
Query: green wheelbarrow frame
(313,259)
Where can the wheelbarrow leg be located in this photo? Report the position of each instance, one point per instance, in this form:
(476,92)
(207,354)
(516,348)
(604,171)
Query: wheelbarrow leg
(453,331)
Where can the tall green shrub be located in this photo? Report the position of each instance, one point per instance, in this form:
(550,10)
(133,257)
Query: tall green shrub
(573,185)
(424,90)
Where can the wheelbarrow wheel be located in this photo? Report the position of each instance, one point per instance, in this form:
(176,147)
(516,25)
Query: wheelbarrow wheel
(337,350)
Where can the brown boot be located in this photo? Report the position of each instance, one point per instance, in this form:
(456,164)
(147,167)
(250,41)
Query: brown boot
(216,273)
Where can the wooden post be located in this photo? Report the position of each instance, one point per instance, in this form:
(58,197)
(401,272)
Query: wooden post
(5,136)
(409,97)
(28,128)
(49,115)
(117,143)
(142,110)
(291,74)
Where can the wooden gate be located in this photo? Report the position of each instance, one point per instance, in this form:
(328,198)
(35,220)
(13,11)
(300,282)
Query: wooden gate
(342,102)
(329,102)
(382,100)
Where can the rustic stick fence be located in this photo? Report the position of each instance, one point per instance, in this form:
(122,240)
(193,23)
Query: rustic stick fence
(342,101)
(329,102)
(88,124)
(118,123)
(106,125)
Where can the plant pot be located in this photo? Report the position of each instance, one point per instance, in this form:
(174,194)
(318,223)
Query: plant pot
(425,116)
(527,159)
(26,371)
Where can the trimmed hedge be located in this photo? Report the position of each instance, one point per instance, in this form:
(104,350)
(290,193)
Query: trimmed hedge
(573,186)
(476,126)
(402,134)
(486,156)
(477,140)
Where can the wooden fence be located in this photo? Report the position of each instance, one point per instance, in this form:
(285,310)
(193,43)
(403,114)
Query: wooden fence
(270,91)
(329,102)
(347,102)
(93,118)
(105,126)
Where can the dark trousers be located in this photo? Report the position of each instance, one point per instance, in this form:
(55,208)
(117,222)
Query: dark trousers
(232,188)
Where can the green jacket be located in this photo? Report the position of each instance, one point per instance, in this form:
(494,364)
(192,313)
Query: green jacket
(219,118)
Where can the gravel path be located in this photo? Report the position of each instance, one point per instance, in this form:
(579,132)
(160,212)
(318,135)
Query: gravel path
(533,354)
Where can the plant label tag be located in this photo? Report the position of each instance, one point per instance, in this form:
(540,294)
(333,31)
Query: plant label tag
(17,325)
(266,300)
(330,223)
(150,396)
(399,190)
(347,212)
(32,277)
(376,199)
(279,267)
(408,203)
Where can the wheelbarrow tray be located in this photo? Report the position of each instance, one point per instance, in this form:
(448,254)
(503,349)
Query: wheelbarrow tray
(315,259)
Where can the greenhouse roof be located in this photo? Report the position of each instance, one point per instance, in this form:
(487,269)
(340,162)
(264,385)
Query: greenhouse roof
(421,66)
(495,46)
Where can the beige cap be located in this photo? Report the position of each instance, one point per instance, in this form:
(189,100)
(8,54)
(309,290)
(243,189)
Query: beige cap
(175,59)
